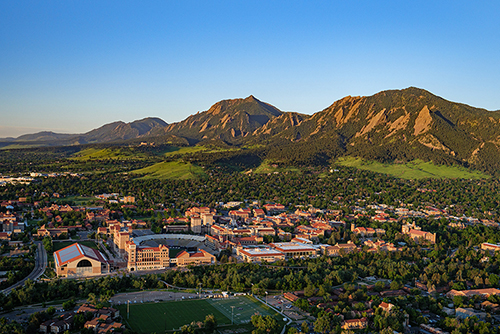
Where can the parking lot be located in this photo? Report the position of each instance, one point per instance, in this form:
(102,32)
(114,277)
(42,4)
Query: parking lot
(285,306)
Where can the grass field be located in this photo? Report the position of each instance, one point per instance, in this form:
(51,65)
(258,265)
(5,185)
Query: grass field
(416,169)
(78,200)
(156,317)
(173,150)
(108,154)
(170,170)
(266,168)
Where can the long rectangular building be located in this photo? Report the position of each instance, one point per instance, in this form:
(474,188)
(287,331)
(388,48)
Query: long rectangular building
(259,254)
(294,250)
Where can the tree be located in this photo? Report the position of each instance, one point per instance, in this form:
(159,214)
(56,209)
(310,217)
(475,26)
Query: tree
(493,278)
(325,323)
(264,325)
(69,305)
(92,299)
(304,327)
(210,323)
(309,291)
(47,244)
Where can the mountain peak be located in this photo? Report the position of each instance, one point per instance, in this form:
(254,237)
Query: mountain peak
(251,98)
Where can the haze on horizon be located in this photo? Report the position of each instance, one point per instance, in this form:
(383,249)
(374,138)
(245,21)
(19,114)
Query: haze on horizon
(70,67)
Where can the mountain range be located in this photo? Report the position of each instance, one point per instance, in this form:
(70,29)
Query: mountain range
(391,125)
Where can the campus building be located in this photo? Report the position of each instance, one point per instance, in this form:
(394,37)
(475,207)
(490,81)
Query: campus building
(259,254)
(294,249)
(142,258)
(186,258)
(78,260)
(415,232)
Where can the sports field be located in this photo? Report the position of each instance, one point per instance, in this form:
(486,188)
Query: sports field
(156,317)
(244,308)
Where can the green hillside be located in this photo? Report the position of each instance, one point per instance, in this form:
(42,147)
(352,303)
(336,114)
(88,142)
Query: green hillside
(168,170)
(173,150)
(123,153)
(416,169)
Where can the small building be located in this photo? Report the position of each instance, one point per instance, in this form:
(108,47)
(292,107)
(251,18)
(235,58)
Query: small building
(339,249)
(52,232)
(463,313)
(195,258)
(355,324)
(387,307)
(490,247)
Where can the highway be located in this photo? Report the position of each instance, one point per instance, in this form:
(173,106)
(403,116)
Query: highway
(40,265)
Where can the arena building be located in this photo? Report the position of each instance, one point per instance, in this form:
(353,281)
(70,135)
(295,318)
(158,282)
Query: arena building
(78,260)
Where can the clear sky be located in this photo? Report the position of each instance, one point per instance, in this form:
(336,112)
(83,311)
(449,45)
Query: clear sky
(71,66)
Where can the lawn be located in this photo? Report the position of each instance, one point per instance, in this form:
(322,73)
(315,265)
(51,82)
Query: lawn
(156,317)
(416,169)
(78,200)
(169,170)
(173,150)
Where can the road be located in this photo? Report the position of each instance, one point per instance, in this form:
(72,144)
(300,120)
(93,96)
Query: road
(40,265)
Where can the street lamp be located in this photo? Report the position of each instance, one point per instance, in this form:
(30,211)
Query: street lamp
(165,314)
(143,286)
(266,299)
(232,314)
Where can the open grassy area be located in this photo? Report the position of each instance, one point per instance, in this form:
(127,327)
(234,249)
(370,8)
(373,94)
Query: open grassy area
(416,169)
(171,170)
(124,153)
(156,317)
(78,200)
(266,167)
(173,150)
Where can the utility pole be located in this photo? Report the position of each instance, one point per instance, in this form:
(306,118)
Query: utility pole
(128,309)
(232,315)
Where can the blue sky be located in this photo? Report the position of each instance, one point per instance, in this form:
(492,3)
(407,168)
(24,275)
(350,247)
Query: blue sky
(71,66)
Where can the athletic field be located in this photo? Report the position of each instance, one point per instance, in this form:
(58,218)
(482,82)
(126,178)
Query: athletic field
(156,317)
(244,308)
